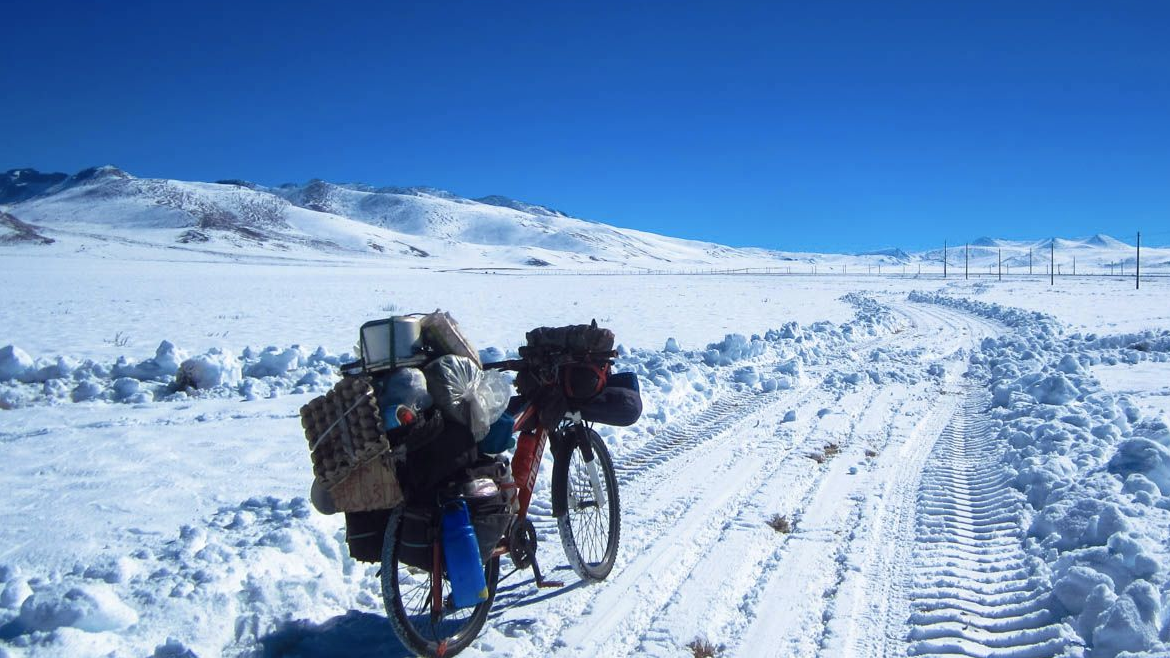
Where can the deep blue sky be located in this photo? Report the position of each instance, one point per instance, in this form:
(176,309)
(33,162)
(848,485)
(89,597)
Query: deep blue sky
(811,125)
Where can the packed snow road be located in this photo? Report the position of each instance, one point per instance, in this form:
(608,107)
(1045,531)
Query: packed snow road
(699,559)
(818,492)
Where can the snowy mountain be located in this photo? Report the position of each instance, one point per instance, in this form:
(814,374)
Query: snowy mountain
(107,211)
(425,226)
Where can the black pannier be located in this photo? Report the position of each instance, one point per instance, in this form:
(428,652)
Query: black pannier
(417,537)
(365,532)
(620,404)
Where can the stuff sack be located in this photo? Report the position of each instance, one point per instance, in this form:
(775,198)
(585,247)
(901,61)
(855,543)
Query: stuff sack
(583,341)
(582,381)
(441,333)
(499,437)
(620,404)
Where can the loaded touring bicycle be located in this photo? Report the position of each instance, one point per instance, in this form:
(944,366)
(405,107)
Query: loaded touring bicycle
(412,446)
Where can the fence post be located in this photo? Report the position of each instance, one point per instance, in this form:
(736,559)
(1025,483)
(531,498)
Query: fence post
(1052,262)
(1138,264)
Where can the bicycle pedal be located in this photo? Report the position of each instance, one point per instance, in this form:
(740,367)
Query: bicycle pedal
(549,584)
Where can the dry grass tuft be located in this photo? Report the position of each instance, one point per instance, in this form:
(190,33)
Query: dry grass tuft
(701,648)
(780,523)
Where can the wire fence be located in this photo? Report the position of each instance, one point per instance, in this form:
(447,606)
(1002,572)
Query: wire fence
(1044,262)
(912,272)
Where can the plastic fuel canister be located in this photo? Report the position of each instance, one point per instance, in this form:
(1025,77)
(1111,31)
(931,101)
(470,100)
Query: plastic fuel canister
(461,556)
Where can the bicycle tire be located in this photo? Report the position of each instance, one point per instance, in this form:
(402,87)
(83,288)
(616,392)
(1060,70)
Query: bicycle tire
(588,524)
(410,616)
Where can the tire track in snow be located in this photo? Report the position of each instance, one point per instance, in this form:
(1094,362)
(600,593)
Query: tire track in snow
(833,510)
(975,592)
(785,612)
(815,602)
(674,542)
(687,502)
(738,564)
(726,411)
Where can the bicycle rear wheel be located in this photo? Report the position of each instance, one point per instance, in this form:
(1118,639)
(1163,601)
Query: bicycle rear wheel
(584,484)
(407,595)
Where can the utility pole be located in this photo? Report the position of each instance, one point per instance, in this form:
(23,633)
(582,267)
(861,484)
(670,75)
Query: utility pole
(1138,263)
(1074,265)
(1000,272)
(1029,261)
(966,258)
(944,259)
(1052,262)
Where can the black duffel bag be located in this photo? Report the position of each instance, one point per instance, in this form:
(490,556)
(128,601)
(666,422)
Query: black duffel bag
(435,451)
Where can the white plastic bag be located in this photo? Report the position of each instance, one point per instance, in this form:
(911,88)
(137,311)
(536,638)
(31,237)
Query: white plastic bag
(466,394)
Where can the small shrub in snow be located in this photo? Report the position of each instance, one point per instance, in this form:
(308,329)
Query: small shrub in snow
(120,339)
(780,523)
(702,648)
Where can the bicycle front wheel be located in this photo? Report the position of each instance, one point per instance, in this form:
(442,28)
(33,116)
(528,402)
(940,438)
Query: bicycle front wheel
(426,629)
(584,484)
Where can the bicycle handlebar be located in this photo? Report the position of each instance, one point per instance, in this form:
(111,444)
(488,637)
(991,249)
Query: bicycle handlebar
(511,364)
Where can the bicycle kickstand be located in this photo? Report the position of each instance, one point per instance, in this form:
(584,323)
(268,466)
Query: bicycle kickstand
(540,581)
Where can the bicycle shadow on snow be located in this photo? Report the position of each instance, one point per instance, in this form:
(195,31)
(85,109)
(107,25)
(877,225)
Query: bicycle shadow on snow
(338,637)
(343,636)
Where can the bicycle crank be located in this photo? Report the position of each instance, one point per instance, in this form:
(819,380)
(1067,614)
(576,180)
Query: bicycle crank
(522,551)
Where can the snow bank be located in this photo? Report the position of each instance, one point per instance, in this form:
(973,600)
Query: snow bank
(265,574)
(225,586)
(1095,473)
(91,607)
(168,375)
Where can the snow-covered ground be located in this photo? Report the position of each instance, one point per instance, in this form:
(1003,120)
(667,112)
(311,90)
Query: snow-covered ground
(958,478)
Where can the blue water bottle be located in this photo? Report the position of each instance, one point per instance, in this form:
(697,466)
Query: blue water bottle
(461,555)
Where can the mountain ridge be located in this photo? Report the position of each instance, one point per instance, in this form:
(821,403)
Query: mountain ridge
(319,218)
